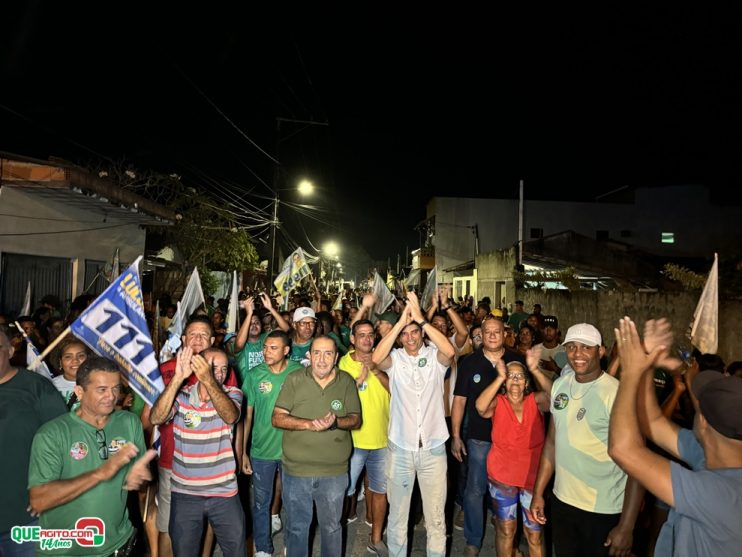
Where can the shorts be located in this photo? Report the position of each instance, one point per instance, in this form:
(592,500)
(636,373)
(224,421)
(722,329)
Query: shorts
(505,499)
(374,460)
(163,499)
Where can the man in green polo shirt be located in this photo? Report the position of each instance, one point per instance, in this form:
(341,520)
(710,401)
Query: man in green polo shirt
(261,388)
(317,408)
(81,467)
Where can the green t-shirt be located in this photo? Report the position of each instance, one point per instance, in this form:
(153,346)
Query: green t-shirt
(317,453)
(345,335)
(342,348)
(250,356)
(67,447)
(27,401)
(261,388)
(300,352)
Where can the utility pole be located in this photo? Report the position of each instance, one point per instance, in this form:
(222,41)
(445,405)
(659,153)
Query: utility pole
(276,188)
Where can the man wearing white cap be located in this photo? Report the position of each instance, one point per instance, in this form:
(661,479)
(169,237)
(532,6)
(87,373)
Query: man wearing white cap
(705,499)
(591,516)
(304,325)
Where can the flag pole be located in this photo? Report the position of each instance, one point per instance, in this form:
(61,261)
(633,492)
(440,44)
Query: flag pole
(49,348)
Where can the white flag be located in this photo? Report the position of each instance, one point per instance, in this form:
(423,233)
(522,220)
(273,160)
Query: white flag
(233,305)
(26,309)
(704,334)
(338,305)
(383,295)
(33,358)
(193,297)
(431,289)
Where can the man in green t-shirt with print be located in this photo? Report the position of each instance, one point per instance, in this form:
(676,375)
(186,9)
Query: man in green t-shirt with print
(81,466)
(261,388)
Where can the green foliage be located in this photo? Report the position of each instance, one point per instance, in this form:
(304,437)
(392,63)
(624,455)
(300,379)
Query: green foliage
(206,232)
(209,283)
(687,278)
(538,279)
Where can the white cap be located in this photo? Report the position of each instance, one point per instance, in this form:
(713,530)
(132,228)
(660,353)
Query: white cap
(584,333)
(303,313)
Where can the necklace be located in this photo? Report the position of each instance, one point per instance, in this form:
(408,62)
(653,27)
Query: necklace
(572,382)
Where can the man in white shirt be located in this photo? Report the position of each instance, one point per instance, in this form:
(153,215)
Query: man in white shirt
(417,425)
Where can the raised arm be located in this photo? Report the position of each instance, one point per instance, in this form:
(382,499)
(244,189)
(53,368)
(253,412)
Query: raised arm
(244,331)
(543,396)
(228,409)
(462,333)
(487,400)
(625,443)
(364,312)
(268,304)
(381,357)
(445,350)
(162,409)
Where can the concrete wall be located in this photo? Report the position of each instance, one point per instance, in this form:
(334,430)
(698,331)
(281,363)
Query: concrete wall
(98,244)
(604,308)
(654,210)
(492,268)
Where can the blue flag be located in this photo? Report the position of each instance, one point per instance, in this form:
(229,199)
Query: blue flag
(114,327)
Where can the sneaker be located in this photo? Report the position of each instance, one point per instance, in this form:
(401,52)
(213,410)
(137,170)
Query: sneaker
(276,524)
(471,550)
(377,548)
(458,522)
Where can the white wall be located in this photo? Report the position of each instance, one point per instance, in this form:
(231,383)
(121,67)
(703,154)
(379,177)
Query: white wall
(36,214)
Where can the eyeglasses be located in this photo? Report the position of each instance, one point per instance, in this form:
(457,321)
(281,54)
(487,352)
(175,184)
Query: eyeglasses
(516,376)
(100,437)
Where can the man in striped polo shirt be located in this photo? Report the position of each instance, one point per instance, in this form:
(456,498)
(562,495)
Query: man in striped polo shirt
(204,484)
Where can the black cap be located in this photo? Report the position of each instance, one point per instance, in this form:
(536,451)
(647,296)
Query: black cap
(720,399)
(550,321)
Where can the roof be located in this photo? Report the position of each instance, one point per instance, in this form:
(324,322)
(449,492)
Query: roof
(76,187)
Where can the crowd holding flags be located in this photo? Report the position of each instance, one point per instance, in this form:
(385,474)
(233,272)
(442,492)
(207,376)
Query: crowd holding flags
(193,297)
(33,358)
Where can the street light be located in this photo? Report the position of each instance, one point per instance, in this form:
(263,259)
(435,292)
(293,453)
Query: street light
(276,180)
(306,187)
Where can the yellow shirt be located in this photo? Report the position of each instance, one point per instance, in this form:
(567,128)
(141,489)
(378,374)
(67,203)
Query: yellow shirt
(373,433)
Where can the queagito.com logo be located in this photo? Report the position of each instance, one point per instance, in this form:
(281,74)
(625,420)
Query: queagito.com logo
(88,532)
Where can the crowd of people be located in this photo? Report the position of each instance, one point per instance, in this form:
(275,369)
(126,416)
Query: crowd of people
(442,416)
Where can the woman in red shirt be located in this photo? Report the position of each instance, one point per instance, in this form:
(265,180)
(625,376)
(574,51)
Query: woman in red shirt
(517,440)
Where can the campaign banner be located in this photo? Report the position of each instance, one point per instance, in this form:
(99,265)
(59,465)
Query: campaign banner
(294,269)
(114,326)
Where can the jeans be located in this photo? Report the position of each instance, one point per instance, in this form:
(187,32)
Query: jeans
(374,460)
(299,495)
(8,548)
(225,515)
(430,468)
(476,491)
(263,480)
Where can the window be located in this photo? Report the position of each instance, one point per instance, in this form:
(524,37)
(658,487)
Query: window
(601,234)
(668,237)
(537,233)
(626,234)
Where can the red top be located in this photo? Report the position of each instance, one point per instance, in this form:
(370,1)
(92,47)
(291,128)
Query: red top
(167,441)
(516,446)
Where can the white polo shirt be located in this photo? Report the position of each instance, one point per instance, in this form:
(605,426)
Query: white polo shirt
(416,413)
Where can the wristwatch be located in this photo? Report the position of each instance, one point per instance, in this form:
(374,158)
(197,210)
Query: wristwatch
(423,323)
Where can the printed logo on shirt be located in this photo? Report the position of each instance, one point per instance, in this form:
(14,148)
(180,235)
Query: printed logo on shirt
(192,419)
(79,450)
(265,387)
(561,401)
(581,414)
(116,444)
(421,362)
(363,386)
(477,378)
(336,405)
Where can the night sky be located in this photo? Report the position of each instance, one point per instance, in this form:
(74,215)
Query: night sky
(419,102)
